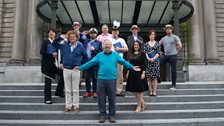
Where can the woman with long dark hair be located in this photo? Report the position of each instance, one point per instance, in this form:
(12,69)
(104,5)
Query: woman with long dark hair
(136,81)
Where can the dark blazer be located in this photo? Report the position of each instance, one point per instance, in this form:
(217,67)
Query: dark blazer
(130,41)
(96,44)
(48,67)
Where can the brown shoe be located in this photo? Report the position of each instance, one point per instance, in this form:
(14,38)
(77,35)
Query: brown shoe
(101,120)
(67,110)
(76,110)
(112,120)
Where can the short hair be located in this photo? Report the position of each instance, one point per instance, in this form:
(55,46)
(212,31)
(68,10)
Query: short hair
(72,32)
(51,29)
(105,25)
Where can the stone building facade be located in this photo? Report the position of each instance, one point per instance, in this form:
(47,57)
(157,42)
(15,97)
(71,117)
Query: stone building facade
(22,31)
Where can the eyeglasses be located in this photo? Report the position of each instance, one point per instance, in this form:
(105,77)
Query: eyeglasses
(72,37)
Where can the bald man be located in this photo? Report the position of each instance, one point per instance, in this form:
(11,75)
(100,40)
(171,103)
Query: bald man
(107,61)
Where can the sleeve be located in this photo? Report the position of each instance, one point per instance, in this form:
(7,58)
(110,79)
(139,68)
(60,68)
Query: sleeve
(99,49)
(177,39)
(43,50)
(143,62)
(55,42)
(124,43)
(84,55)
(90,63)
(158,48)
(126,64)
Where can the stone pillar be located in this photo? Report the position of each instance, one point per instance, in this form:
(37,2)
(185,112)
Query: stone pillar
(54,7)
(196,48)
(18,47)
(1,1)
(180,73)
(34,34)
(210,32)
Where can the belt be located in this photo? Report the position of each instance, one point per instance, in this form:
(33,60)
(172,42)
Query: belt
(68,67)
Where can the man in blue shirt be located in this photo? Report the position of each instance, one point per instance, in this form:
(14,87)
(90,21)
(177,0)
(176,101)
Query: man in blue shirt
(107,61)
(93,47)
(73,53)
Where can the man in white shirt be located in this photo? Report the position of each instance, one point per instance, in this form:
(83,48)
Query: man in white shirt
(118,45)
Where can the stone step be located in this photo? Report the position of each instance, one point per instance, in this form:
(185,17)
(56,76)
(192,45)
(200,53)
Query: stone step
(219,121)
(40,86)
(88,115)
(159,98)
(120,106)
(159,92)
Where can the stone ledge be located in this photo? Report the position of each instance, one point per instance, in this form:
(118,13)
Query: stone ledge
(21,74)
(206,72)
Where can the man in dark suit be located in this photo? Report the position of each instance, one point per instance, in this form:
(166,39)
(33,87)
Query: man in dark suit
(134,37)
(93,47)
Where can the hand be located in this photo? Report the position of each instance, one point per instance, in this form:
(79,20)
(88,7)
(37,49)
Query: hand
(76,68)
(55,54)
(91,48)
(85,32)
(61,66)
(117,49)
(64,36)
(137,68)
(143,76)
(127,75)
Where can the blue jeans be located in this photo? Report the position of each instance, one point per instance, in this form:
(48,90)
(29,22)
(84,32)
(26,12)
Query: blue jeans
(106,88)
(91,73)
(172,60)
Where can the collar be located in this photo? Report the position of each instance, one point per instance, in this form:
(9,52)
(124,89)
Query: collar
(105,34)
(74,44)
(51,40)
(107,53)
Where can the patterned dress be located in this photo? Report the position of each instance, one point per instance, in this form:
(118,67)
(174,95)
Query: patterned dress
(152,69)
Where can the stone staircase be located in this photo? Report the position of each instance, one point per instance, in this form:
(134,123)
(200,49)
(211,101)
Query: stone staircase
(192,104)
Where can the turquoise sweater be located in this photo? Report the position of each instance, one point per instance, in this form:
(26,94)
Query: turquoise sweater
(107,65)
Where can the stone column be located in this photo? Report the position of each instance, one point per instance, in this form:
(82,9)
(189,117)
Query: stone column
(34,34)
(180,73)
(1,1)
(210,32)
(196,48)
(18,47)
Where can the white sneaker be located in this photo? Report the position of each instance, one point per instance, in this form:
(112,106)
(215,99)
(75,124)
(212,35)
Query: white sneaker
(173,88)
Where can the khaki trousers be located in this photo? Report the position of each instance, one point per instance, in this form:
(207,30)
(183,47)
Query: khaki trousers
(119,83)
(71,79)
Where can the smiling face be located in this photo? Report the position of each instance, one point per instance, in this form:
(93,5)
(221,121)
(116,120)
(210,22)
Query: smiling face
(51,34)
(107,46)
(169,31)
(76,27)
(152,36)
(72,38)
(134,31)
(92,35)
(115,33)
(105,29)
(136,47)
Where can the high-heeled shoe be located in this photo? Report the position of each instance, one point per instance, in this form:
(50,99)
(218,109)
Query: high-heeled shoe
(143,106)
(138,109)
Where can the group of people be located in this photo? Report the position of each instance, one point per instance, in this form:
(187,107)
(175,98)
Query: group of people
(100,57)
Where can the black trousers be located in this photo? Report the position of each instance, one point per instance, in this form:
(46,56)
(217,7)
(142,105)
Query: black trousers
(60,87)
(172,60)
(91,73)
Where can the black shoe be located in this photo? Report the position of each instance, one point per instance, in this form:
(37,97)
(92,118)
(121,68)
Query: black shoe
(120,95)
(48,102)
(59,95)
